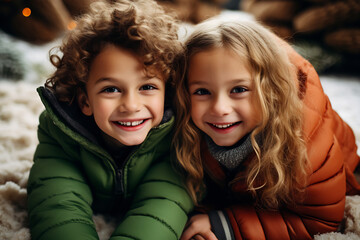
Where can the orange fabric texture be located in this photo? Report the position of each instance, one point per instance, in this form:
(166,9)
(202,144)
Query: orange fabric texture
(333,158)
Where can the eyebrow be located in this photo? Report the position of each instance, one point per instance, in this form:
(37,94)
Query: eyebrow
(104,79)
(234,81)
(196,83)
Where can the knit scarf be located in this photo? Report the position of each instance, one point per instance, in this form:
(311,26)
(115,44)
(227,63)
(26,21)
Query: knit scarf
(230,157)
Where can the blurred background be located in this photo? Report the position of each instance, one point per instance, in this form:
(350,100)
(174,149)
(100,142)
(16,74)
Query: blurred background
(326,32)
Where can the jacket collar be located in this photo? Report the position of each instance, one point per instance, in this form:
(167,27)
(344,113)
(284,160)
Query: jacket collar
(211,166)
(236,182)
(69,114)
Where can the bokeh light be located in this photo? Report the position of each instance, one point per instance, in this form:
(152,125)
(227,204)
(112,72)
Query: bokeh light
(26,12)
(71,25)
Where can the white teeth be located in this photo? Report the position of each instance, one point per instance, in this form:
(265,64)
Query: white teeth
(132,124)
(223,126)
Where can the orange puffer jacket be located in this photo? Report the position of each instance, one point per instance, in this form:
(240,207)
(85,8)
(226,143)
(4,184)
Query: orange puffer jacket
(333,158)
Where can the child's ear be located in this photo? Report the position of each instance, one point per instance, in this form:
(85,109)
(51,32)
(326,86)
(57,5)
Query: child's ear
(84,104)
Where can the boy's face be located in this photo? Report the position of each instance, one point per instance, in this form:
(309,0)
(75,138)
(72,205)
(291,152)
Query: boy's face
(125,103)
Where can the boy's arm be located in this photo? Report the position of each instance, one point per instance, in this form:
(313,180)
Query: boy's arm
(59,200)
(159,208)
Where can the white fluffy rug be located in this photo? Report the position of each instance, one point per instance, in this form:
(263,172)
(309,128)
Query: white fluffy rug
(19,111)
(20,107)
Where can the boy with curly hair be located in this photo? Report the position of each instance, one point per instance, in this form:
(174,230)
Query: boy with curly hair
(105,135)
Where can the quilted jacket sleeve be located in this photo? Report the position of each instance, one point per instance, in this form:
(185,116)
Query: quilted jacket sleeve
(59,199)
(160,206)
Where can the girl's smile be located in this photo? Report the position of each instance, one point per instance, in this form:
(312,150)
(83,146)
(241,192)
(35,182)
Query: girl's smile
(224,127)
(223,100)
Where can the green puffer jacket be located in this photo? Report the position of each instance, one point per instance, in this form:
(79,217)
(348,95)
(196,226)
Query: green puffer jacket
(73,176)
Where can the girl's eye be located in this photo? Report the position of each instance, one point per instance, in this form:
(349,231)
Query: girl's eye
(238,90)
(110,90)
(147,87)
(201,91)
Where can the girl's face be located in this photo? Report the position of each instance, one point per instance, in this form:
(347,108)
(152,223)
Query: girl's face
(223,100)
(125,103)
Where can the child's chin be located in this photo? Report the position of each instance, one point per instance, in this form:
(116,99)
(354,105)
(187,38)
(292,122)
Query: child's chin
(133,143)
(224,143)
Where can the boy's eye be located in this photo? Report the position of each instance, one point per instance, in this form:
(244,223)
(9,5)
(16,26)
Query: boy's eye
(238,90)
(147,87)
(201,91)
(110,90)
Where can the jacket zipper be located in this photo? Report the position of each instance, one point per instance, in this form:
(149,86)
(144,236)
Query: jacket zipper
(119,185)
(119,172)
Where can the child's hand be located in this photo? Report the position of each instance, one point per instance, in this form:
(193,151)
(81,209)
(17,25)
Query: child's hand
(198,228)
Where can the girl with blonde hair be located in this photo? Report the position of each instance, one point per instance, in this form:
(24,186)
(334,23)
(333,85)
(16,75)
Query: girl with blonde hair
(264,154)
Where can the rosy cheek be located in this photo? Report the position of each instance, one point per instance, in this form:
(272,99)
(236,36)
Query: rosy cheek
(195,111)
(104,108)
(157,109)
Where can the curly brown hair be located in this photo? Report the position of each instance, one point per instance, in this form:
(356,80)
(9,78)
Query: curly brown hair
(140,26)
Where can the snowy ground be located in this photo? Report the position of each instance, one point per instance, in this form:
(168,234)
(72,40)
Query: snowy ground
(344,94)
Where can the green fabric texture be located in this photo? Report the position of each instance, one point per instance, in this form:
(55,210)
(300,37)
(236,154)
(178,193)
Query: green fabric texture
(72,177)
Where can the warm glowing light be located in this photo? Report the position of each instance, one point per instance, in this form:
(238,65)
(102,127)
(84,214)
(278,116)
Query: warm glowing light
(71,25)
(26,12)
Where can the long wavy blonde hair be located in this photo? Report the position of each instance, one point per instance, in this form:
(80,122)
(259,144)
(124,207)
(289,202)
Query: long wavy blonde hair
(278,171)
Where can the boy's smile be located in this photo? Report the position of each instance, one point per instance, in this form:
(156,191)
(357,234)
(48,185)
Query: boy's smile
(131,125)
(125,103)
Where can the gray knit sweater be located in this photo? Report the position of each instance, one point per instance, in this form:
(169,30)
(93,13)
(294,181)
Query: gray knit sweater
(230,157)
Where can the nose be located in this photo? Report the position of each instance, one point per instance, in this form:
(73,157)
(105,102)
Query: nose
(221,105)
(129,102)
